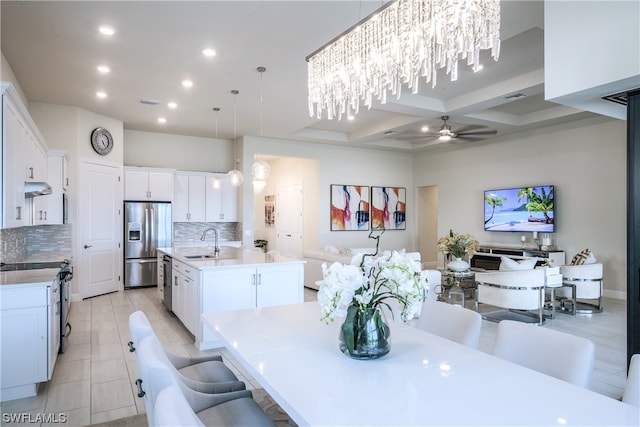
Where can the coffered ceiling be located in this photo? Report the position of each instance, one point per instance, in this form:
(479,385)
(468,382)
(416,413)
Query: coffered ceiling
(54,48)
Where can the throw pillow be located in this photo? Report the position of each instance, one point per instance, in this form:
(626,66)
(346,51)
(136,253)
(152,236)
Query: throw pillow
(508,264)
(583,257)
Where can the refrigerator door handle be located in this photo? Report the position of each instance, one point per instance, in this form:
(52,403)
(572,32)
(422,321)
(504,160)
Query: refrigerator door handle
(152,234)
(146,230)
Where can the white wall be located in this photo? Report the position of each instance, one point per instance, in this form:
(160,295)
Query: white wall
(7,75)
(592,49)
(586,161)
(290,171)
(162,150)
(338,165)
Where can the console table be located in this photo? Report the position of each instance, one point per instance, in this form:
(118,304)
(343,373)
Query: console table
(488,257)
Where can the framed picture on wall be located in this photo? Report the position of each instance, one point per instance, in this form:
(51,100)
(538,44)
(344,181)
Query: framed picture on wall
(349,207)
(388,208)
(270,211)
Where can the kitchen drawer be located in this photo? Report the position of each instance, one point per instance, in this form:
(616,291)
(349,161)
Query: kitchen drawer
(23,296)
(186,270)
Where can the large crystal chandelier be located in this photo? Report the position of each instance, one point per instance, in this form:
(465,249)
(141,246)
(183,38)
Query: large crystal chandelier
(400,43)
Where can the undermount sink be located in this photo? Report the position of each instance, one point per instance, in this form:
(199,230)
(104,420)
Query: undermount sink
(199,256)
(222,255)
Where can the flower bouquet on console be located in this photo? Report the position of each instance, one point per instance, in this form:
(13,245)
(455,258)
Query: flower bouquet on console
(357,291)
(457,245)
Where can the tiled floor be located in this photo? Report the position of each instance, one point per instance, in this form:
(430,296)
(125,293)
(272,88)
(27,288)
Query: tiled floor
(94,380)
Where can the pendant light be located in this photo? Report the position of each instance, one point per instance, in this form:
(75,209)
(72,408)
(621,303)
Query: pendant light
(235,176)
(215,182)
(260,169)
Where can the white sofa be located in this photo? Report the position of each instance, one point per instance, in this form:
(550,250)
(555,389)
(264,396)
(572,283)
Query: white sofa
(329,254)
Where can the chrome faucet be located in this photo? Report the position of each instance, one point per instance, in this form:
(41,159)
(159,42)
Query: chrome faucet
(216,248)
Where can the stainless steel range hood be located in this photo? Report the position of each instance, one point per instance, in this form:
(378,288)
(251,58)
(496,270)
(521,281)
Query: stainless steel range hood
(33,189)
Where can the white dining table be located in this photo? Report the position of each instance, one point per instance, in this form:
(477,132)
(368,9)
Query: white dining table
(424,381)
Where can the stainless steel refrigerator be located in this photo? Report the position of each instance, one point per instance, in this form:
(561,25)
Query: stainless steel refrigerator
(147,226)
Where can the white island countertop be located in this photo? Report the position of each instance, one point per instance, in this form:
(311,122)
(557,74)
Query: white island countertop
(228,257)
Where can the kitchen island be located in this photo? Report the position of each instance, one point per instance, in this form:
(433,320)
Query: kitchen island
(234,280)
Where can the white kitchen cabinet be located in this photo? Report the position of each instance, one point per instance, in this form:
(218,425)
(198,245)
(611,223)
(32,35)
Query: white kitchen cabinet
(148,184)
(184,294)
(14,212)
(48,209)
(237,288)
(35,159)
(189,197)
(24,331)
(221,199)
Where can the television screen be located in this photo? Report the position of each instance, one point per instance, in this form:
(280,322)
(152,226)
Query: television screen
(520,209)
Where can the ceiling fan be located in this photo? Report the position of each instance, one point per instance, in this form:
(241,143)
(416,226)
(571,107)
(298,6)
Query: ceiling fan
(446,134)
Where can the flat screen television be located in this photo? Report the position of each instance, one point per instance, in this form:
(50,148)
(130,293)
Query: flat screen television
(520,209)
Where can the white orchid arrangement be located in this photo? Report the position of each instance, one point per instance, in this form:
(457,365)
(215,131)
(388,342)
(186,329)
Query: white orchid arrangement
(370,281)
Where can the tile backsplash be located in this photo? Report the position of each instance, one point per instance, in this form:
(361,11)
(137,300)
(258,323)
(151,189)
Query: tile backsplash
(35,243)
(186,233)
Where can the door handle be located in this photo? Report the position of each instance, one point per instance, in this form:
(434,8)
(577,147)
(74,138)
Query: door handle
(88,246)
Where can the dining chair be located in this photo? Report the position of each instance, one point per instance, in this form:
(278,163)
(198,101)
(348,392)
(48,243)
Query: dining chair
(581,288)
(451,322)
(236,408)
(558,354)
(206,373)
(631,393)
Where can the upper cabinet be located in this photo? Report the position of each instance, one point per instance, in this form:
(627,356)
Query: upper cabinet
(148,184)
(35,164)
(189,200)
(221,199)
(204,197)
(49,209)
(24,158)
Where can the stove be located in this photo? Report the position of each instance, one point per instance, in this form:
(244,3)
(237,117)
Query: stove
(33,265)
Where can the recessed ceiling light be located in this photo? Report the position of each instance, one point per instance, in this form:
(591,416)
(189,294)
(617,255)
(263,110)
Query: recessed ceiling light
(106,30)
(101,94)
(351,117)
(162,120)
(424,128)
(478,68)
(103,69)
(172,105)
(207,51)
(187,83)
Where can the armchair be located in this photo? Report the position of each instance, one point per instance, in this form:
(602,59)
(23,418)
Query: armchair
(520,294)
(581,282)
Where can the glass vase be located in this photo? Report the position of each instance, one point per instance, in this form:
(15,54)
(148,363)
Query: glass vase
(365,334)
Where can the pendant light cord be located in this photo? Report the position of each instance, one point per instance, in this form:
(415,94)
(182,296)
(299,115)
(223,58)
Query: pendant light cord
(235,127)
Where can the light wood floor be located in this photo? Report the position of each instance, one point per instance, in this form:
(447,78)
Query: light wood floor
(94,379)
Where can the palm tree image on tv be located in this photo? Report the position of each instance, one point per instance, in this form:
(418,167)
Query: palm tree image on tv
(542,202)
(493,201)
(520,209)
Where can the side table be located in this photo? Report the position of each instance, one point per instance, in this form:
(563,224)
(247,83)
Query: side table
(456,293)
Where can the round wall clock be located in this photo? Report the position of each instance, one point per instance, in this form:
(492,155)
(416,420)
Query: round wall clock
(101,141)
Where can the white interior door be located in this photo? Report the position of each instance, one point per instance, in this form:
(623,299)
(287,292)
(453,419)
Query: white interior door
(289,220)
(100,219)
